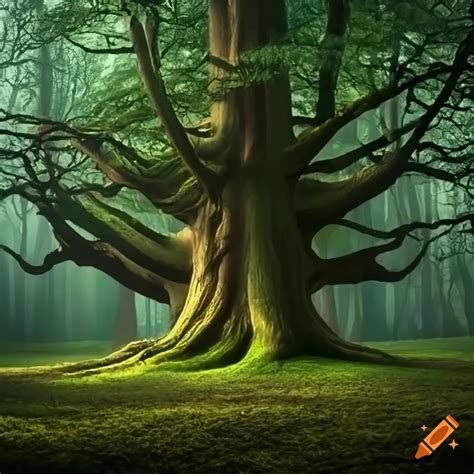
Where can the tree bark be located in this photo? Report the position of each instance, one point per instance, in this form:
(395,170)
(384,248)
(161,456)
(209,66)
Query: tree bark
(248,292)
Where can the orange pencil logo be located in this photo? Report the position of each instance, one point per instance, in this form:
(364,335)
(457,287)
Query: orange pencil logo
(436,438)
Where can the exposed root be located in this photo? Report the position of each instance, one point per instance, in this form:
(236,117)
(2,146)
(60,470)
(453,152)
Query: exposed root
(354,352)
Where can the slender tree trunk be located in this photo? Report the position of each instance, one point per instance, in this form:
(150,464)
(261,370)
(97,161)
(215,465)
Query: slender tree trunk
(20,322)
(468,293)
(356,331)
(125,329)
(18,325)
(5,299)
(415,211)
(327,302)
(147,318)
(449,324)
(401,316)
(428,310)
(43,315)
(155,320)
(343,298)
(374,314)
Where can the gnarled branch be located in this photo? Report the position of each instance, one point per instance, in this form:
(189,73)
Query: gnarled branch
(105,257)
(51,260)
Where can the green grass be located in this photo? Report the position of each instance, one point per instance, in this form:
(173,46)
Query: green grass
(310,416)
(29,355)
(461,348)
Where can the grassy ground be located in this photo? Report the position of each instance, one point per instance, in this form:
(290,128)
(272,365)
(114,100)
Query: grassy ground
(27,355)
(310,416)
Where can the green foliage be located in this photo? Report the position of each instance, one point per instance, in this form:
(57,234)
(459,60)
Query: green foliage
(117,100)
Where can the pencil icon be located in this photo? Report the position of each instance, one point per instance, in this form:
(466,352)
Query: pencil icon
(437,436)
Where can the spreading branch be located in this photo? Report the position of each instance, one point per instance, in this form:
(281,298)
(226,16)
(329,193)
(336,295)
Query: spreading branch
(106,258)
(406,229)
(154,84)
(362,265)
(164,255)
(300,154)
(320,203)
(164,180)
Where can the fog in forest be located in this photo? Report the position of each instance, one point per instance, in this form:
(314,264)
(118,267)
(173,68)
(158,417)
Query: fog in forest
(69,303)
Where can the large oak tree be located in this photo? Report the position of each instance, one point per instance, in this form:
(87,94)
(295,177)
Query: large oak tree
(249,183)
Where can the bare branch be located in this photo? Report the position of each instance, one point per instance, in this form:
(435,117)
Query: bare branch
(442,175)
(301,154)
(363,265)
(122,50)
(337,198)
(50,261)
(406,229)
(341,162)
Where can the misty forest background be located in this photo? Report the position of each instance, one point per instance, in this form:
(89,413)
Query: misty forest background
(73,304)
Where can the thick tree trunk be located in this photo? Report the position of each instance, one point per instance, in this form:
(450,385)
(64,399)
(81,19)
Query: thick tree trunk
(248,295)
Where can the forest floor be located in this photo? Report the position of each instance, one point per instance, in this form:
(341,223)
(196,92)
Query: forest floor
(308,416)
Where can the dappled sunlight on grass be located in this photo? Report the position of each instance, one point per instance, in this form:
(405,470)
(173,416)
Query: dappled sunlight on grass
(308,415)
